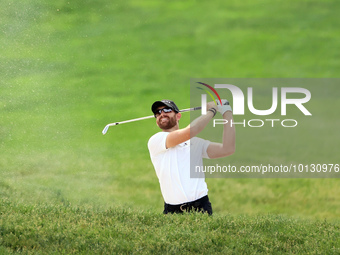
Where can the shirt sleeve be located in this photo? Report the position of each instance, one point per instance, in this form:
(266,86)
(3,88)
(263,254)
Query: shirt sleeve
(199,147)
(157,143)
(205,144)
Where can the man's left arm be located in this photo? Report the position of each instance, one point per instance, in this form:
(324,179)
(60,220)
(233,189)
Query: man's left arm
(227,147)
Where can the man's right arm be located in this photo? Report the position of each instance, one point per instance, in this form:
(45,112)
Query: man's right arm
(194,128)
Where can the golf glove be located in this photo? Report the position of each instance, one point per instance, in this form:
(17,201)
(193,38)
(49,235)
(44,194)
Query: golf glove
(224,107)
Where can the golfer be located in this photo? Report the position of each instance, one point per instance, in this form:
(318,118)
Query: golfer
(170,154)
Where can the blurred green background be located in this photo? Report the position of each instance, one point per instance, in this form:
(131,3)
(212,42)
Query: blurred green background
(70,67)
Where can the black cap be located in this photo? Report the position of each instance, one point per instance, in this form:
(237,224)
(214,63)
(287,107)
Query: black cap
(167,103)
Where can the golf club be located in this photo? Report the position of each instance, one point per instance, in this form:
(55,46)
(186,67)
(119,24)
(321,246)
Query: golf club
(143,118)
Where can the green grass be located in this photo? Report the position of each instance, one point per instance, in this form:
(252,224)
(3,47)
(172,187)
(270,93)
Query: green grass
(67,229)
(68,68)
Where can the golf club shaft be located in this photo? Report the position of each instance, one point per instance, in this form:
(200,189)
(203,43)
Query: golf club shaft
(143,118)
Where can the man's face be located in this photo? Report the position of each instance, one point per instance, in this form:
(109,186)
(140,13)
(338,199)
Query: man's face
(166,120)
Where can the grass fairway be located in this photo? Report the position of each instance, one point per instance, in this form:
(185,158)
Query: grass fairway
(68,68)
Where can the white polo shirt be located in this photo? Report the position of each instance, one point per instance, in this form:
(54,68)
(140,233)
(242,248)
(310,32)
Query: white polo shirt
(172,167)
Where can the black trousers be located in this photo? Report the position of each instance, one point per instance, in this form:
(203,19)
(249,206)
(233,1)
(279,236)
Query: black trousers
(200,205)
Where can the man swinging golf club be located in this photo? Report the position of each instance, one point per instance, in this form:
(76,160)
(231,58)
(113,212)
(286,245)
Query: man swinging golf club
(170,154)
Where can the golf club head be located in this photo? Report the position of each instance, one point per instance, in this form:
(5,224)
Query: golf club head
(105,129)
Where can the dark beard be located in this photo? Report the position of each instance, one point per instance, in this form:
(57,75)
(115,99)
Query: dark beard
(170,124)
